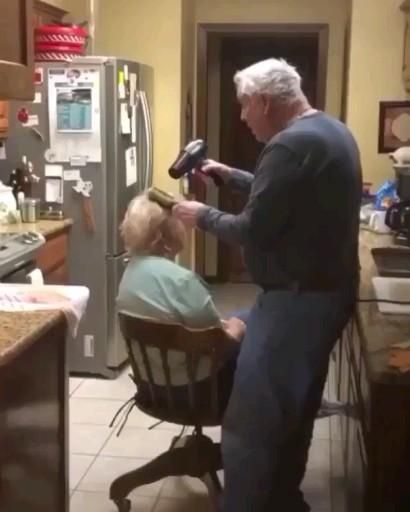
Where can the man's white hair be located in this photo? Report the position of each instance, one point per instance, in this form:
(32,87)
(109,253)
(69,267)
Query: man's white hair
(275,77)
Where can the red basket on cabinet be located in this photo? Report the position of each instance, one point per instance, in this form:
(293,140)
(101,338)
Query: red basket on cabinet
(59,42)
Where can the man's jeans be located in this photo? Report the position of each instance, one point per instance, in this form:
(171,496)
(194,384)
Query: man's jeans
(281,373)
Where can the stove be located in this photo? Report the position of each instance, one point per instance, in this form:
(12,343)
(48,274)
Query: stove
(18,250)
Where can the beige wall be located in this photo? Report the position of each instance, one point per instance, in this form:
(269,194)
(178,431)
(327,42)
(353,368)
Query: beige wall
(375,75)
(333,12)
(187,257)
(150,32)
(162,34)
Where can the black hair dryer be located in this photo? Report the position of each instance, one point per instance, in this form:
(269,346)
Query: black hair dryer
(191,158)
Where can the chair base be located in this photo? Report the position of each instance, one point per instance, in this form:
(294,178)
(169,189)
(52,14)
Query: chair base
(123,505)
(195,455)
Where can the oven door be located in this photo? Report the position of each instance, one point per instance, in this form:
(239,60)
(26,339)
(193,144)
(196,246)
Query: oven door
(19,274)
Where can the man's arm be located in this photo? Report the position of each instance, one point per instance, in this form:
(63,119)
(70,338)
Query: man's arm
(269,204)
(241,180)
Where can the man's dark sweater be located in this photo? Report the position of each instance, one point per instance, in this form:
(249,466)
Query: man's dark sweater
(301,223)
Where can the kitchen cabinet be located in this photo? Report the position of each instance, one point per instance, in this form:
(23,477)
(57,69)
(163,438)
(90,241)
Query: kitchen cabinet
(17,22)
(52,258)
(375,431)
(16,50)
(33,412)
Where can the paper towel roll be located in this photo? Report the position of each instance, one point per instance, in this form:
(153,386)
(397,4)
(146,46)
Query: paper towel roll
(36,277)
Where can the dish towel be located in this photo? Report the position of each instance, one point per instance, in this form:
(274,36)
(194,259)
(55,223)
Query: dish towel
(72,300)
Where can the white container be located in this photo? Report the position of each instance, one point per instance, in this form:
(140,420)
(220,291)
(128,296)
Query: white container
(377,222)
(395,289)
(7,197)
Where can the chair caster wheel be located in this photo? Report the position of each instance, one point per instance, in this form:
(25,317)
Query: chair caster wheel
(123,505)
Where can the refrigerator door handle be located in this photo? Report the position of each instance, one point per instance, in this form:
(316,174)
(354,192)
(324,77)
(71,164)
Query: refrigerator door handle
(147,178)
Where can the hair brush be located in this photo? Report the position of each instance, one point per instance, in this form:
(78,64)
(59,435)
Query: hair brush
(162,198)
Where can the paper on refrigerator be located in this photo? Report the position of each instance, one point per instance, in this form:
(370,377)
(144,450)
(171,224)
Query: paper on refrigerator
(74,114)
(125,120)
(3,150)
(131,170)
(133,88)
(54,190)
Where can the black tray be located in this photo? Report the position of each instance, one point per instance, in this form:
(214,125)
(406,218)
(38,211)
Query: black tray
(392,261)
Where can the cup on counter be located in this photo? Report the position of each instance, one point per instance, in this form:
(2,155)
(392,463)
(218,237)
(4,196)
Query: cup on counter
(377,221)
(30,210)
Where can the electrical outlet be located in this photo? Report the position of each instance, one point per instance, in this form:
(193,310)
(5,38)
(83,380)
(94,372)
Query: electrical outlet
(89,345)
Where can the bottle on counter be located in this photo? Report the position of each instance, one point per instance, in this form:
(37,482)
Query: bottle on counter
(21,179)
(26,178)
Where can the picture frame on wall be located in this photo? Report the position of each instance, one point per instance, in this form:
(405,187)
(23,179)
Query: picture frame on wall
(394,125)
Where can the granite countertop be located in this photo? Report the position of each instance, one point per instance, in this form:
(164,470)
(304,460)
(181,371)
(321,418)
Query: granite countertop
(45,227)
(380,331)
(21,329)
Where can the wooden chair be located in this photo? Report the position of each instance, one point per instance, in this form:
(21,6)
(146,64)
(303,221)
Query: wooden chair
(195,455)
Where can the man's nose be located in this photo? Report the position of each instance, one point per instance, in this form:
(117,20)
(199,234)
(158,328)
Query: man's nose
(243,115)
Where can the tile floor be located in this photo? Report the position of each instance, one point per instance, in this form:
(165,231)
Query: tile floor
(97,455)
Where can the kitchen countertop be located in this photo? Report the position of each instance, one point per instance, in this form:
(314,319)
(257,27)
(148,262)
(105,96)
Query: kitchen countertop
(45,227)
(21,329)
(380,331)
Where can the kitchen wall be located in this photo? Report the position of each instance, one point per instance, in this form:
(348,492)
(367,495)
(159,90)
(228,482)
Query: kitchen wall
(187,257)
(162,33)
(375,74)
(332,12)
(150,32)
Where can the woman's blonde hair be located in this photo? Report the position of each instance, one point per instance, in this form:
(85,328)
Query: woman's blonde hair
(148,228)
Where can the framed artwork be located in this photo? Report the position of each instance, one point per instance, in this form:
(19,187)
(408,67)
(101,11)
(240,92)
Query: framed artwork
(394,125)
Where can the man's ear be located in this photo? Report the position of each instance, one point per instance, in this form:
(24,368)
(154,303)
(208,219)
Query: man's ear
(267,104)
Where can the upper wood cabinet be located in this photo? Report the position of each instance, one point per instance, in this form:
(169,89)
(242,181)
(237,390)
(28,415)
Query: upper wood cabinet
(16,50)
(18,18)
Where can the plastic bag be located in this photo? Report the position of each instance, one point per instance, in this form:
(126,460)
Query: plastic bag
(386,195)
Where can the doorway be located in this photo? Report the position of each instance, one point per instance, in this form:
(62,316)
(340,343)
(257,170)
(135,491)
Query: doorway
(222,50)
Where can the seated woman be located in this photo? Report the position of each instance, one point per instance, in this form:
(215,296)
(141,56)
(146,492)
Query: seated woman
(156,288)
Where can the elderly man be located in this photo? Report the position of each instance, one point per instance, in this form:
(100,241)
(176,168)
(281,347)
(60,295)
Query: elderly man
(299,230)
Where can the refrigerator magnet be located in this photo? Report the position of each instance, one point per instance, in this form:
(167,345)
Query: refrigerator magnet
(32,120)
(72,175)
(37,97)
(2,150)
(38,76)
(50,156)
(121,86)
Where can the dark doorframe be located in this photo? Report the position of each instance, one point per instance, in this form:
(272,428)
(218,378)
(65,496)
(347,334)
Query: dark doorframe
(209,33)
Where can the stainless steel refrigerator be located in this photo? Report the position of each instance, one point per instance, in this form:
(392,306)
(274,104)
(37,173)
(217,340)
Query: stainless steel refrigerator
(90,123)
